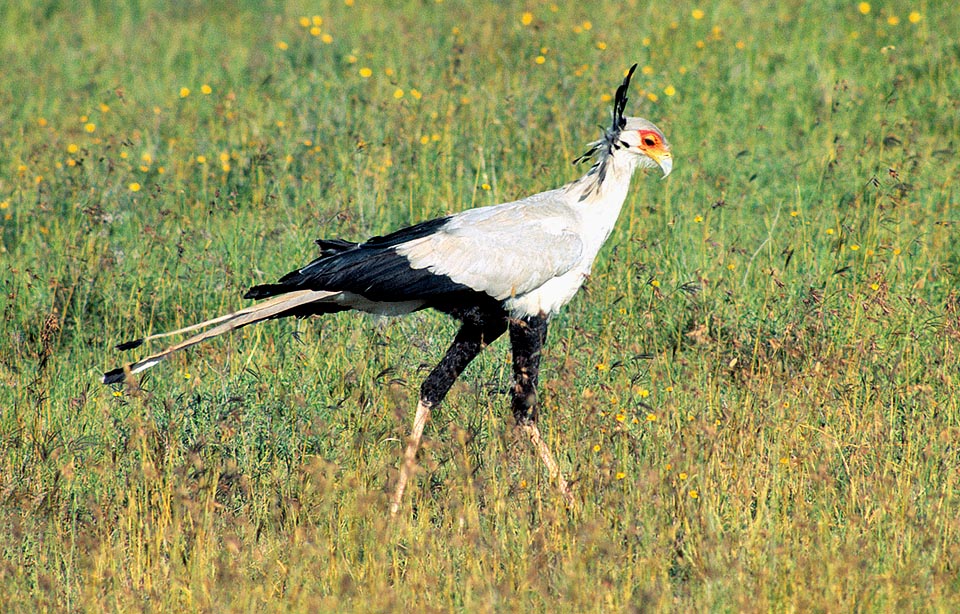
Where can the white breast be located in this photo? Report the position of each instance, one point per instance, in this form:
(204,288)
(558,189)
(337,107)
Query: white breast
(548,298)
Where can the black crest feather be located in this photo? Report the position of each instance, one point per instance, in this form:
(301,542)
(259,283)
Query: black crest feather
(620,101)
(602,149)
(611,135)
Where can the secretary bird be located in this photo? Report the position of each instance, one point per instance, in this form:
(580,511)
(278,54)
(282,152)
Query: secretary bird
(507,267)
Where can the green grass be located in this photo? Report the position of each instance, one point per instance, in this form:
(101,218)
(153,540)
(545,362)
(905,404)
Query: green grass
(755,393)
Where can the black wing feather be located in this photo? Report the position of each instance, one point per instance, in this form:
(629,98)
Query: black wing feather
(329,247)
(373,269)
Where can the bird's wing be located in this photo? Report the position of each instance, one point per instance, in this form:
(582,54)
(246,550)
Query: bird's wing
(504,251)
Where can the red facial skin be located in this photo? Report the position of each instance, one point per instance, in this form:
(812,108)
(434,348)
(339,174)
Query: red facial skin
(650,139)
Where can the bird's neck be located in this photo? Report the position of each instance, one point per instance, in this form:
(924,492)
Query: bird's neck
(607,181)
(599,195)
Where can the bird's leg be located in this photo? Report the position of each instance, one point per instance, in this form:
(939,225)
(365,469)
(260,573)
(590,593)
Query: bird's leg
(476,333)
(527,336)
(410,454)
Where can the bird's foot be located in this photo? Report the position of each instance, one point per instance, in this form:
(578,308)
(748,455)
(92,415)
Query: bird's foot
(553,470)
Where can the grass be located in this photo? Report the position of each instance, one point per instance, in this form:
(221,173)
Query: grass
(755,393)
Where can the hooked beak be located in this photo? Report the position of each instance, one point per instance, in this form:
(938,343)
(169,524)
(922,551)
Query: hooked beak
(665,160)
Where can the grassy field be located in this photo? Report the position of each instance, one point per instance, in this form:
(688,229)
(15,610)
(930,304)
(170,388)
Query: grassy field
(755,394)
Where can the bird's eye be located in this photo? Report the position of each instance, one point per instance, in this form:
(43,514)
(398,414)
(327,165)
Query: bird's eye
(649,141)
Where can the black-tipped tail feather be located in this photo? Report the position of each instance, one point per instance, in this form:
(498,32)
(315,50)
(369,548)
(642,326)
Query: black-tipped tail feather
(129,345)
(298,303)
(114,376)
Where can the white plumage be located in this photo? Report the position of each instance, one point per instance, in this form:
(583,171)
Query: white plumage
(509,266)
(504,251)
(534,253)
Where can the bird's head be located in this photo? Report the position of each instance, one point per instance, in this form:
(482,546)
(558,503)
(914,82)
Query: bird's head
(644,140)
(633,135)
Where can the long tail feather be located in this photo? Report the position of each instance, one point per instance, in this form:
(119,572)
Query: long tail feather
(276,307)
(129,345)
